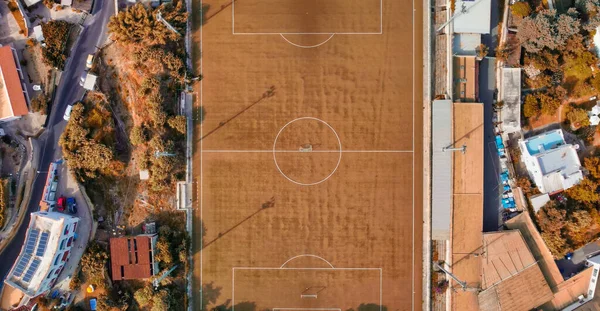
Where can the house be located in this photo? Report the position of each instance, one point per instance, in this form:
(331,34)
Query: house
(511,276)
(133,257)
(13,93)
(466,76)
(553,164)
(29,3)
(46,249)
(472,16)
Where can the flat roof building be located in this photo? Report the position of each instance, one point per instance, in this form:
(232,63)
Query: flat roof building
(46,249)
(553,164)
(466,75)
(133,257)
(472,16)
(13,94)
(510,94)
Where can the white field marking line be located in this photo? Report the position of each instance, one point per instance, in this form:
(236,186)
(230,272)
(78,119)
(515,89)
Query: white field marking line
(413,158)
(307,269)
(298,151)
(275,153)
(304,33)
(306,46)
(201,157)
(311,33)
(318,309)
(307,255)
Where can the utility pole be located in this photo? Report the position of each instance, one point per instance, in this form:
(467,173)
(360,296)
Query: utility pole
(171,28)
(462,284)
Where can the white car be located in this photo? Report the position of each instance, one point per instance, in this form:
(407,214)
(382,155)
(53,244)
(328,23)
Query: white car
(90,61)
(67,115)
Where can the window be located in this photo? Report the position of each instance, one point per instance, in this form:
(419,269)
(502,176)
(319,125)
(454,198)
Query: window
(70,242)
(62,244)
(595,272)
(49,274)
(56,260)
(66,229)
(74,227)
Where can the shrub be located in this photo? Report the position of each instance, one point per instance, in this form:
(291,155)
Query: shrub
(531,107)
(521,9)
(178,123)
(40,104)
(55,32)
(138,136)
(578,117)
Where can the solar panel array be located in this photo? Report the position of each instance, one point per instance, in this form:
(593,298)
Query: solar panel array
(32,269)
(22,264)
(31,241)
(41,248)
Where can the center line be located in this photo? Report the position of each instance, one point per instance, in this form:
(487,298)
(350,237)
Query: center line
(298,151)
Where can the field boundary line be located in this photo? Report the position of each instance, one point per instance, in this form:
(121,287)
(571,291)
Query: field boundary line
(308,33)
(313,151)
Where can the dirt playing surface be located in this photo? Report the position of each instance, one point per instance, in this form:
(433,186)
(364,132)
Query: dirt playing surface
(308,153)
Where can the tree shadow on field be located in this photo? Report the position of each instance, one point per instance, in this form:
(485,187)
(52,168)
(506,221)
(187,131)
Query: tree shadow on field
(242,306)
(199,114)
(210,294)
(370,307)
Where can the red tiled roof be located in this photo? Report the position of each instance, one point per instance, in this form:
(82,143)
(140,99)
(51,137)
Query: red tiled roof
(130,258)
(12,83)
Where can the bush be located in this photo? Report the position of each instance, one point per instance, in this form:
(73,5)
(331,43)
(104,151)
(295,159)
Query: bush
(12,6)
(76,282)
(93,263)
(55,32)
(521,9)
(138,136)
(40,104)
(578,117)
(531,107)
(178,123)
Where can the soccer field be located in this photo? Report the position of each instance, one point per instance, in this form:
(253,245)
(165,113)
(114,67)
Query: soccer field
(308,155)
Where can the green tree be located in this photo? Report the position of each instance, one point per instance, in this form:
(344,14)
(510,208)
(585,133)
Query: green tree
(578,117)
(40,104)
(55,34)
(521,9)
(160,301)
(548,104)
(138,136)
(138,24)
(531,107)
(592,164)
(93,263)
(163,251)
(585,192)
(548,29)
(178,123)
(552,221)
(144,296)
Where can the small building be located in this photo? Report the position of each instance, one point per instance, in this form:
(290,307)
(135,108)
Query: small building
(510,95)
(46,249)
(29,3)
(511,276)
(466,79)
(133,257)
(465,44)
(553,164)
(13,93)
(90,82)
(472,16)
(441,170)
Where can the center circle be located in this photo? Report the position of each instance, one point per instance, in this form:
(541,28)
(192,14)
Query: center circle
(307,151)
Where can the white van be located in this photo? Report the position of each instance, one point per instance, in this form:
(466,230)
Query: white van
(67,115)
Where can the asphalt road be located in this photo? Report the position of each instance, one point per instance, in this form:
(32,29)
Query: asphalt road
(492,219)
(68,92)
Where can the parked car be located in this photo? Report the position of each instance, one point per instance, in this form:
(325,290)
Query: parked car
(82,78)
(90,61)
(67,115)
(72,205)
(60,204)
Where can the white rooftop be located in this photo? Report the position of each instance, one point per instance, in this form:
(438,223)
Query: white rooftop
(41,243)
(472,16)
(552,163)
(510,94)
(90,82)
(465,44)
